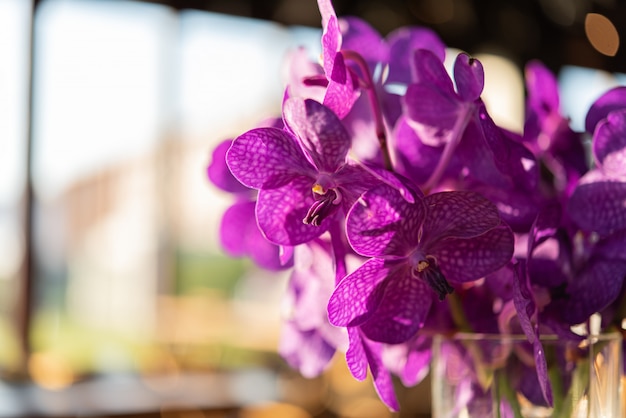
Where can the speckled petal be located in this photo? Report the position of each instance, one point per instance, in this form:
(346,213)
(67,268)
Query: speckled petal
(511,158)
(383,223)
(598,203)
(524,301)
(402,184)
(353,180)
(359,36)
(326,10)
(265,158)
(381,376)
(306,351)
(240,236)
(342,91)
(609,144)
(320,131)
(355,356)
(431,104)
(463,260)
(402,311)
(458,214)
(415,159)
(614,99)
(280,213)
(527,312)
(219,173)
(406,39)
(542,87)
(469,77)
(594,289)
(357,296)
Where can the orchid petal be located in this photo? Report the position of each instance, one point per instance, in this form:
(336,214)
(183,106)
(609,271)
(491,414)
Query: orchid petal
(266,158)
(306,351)
(361,37)
(463,260)
(280,213)
(614,99)
(594,289)
(459,214)
(219,173)
(357,296)
(599,204)
(542,83)
(402,310)
(326,10)
(383,223)
(410,39)
(355,356)
(381,376)
(320,132)
(240,236)
(609,143)
(469,76)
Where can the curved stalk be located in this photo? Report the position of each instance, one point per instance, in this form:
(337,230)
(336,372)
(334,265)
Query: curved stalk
(457,133)
(368,84)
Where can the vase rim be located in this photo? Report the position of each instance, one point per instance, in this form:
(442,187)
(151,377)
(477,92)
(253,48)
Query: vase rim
(604,336)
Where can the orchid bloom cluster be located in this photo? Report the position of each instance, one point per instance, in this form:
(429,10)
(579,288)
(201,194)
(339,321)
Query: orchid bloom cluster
(403,210)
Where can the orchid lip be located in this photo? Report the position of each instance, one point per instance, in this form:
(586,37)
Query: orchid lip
(427,270)
(326,202)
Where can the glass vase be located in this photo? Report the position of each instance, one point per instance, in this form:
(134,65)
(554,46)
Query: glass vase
(480,375)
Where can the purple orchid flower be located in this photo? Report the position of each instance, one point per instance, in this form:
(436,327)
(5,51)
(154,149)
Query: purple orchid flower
(239,234)
(597,202)
(364,353)
(547,132)
(416,249)
(342,90)
(302,173)
(459,145)
(308,341)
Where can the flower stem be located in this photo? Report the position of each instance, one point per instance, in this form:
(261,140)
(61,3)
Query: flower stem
(457,133)
(374,104)
(339,251)
(458,316)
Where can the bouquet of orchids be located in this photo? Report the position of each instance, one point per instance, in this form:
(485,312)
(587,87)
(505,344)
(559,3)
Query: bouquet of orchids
(403,211)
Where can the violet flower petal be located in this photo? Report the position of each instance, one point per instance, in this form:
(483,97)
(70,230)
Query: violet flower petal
(597,203)
(240,236)
(326,10)
(543,84)
(609,143)
(342,87)
(469,76)
(381,376)
(402,310)
(415,159)
(306,351)
(383,223)
(614,99)
(360,36)
(280,212)
(410,39)
(594,289)
(527,309)
(459,214)
(357,296)
(363,353)
(320,132)
(355,355)
(463,260)
(219,173)
(267,158)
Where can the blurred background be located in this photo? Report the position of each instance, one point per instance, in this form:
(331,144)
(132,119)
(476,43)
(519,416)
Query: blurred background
(115,297)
